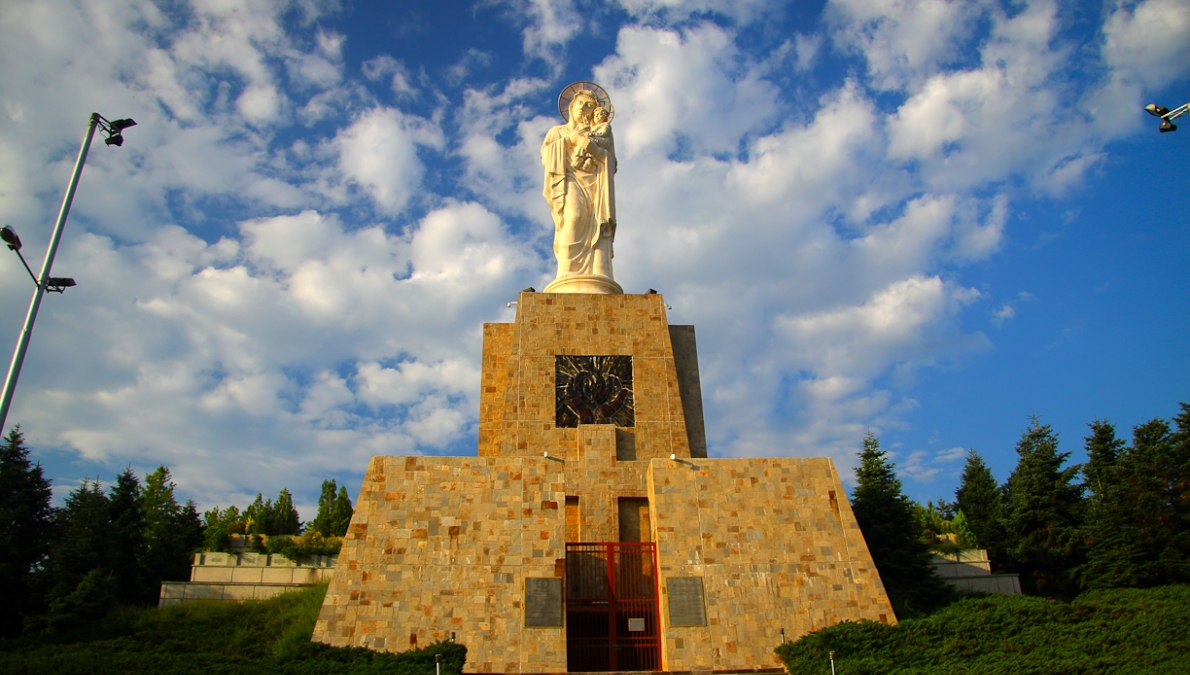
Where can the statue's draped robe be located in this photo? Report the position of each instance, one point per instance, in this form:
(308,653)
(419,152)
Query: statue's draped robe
(582,200)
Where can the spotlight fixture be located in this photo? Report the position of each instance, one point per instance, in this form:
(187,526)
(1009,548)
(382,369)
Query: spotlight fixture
(1167,116)
(114,130)
(59,284)
(529,290)
(651,292)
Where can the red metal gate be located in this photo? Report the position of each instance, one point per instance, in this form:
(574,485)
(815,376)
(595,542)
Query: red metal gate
(611,607)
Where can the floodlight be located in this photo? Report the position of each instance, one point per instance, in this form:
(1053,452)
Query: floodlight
(529,290)
(1166,125)
(1156,110)
(651,292)
(10,237)
(52,284)
(58,284)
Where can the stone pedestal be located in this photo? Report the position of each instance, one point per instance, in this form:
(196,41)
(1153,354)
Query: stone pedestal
(584,283)
(591,430)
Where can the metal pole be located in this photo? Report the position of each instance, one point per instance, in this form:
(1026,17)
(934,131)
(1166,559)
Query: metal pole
(832,663)
(18,356)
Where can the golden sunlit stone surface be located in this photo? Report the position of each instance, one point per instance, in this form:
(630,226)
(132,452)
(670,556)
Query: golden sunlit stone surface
(443,545)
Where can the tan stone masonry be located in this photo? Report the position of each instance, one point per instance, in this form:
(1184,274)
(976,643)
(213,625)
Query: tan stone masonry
(443,545)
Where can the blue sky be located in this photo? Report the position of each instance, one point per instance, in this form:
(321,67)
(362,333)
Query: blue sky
(929,219)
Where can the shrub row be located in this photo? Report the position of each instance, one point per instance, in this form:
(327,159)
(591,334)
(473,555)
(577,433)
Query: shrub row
(1104,631)
(253,637)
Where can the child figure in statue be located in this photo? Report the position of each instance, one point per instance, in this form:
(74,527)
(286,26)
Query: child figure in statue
(601,135)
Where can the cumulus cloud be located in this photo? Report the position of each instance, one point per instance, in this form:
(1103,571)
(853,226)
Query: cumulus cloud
(379,154)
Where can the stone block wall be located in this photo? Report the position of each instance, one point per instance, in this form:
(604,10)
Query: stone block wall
(441,546)
(776,545)
(517,406)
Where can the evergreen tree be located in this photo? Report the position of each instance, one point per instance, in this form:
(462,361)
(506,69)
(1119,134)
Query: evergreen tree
(1103,450)
(26,519)
(1114,552)
(326,505)
(1042,518)
(91,599)
(258,514)
(981,501)
(128,541)
(83,542)
(1153,485)
(172,533)
(341,513)
(284,517)
(1177,549)
(893,535)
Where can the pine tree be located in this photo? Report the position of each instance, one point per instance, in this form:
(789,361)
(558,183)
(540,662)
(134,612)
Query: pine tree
(1154,479)
(893,535)
(172,533)
(1176,555)
(83,541)
(1114,554)
(284,517)
(26,519)
(326,505)
(341,513)
(1042,518)
(982,502)
(128,540)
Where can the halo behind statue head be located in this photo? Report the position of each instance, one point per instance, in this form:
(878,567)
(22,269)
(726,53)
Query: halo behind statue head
(570,91)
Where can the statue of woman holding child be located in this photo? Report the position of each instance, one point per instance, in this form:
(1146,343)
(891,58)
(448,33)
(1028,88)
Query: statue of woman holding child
(580,163)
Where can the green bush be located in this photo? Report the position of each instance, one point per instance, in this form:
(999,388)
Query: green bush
(214,638)
(1119,630)
(311,543)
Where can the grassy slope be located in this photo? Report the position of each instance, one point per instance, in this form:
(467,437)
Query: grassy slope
(1112,631)
(257,637)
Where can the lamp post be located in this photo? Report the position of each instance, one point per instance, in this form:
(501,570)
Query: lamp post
(44,282)
(1167,116)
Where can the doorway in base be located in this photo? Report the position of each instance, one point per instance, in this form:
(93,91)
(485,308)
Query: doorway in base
(612,621)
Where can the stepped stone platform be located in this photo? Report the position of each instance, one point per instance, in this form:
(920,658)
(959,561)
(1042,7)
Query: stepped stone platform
(970,571)
(245,576)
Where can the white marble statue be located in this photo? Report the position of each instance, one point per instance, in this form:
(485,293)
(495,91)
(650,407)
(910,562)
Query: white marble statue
(580,163)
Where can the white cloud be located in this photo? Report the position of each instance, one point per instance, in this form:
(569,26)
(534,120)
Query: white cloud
(903,40)
(378,152)
(741,11)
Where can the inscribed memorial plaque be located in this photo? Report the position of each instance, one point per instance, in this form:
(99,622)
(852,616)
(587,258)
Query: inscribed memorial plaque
(686,606)
(543,602)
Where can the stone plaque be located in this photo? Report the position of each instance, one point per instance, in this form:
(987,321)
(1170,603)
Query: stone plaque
(686,606)
(543,602)
(593,390)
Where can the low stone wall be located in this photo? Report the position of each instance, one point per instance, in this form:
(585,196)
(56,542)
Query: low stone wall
(245,576)
(970,571)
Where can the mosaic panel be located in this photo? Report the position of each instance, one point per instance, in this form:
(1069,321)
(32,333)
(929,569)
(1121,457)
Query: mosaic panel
(594,390)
